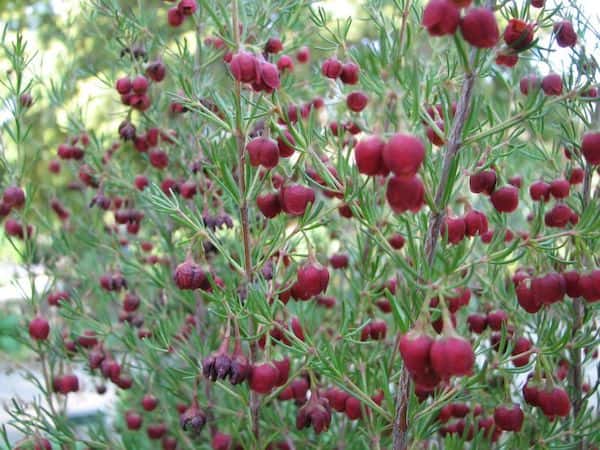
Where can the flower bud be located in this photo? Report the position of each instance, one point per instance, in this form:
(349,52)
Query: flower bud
(565,34)
(244,67)
(479,28)
(441,17)
(316,412)
(518,34)
(193,419)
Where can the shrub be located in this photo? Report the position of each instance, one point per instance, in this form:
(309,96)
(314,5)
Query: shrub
(269,204)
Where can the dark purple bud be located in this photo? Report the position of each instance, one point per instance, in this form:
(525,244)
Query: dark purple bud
(316,412)
(193,419)
(222,366)
(127,130)
(240,369)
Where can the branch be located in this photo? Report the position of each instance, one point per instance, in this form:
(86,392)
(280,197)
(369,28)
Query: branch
(579,307)
(400,426)
(405,13)
(454,144)
(240,140)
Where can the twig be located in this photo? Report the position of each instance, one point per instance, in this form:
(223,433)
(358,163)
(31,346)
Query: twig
(198,54)
(240,138)
(405,12)
(454,144)
(579,308)
(400,426)
(48,383)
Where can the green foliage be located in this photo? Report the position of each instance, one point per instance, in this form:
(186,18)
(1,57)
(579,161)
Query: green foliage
(251,262)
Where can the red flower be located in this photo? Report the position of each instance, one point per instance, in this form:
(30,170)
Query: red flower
(441,17)
(479,28)
(518,34)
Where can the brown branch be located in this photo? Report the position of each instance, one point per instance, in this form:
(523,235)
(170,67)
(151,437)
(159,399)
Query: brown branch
(454,144)
(400,426)
(240,141)
(405,13)
(576,376)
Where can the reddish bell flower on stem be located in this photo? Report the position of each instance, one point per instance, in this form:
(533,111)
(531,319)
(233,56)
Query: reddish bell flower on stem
(187,7)
(14,197)
(189,276)
(477,323)
(441,17)
(590,147)
(263,377)
(509,418)
(217,365)
(26,100)
(139,84)
(559,216)
(521,352)
(156,71)
(312,279)
(286,143)
(453,229)
(476,223)
(357,101)
(529,83)
(303,55)
(263,152)
(554,402)
(403,154)
(273,45)
(479,28)
(123,85)
(552,84)
(397,241)
(548,289)
(316,413)
(451,355)
(518,34)
(268,78)
(269,204)
(505,199)
(193,419)
(244,67)
(221,441)
(39,329)
(495,319)
(369,155)
(415,347)
(539,191)
(295,198)
(339,260)
(483,182)
(565,34)
(62,213)
(285,63)
(405,194)
(149,402)
(156,431)
(350,73)
(331,68)
(283,369)
(133,420)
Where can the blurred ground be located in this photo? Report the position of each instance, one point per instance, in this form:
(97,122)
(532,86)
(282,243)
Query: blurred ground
(15,362)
